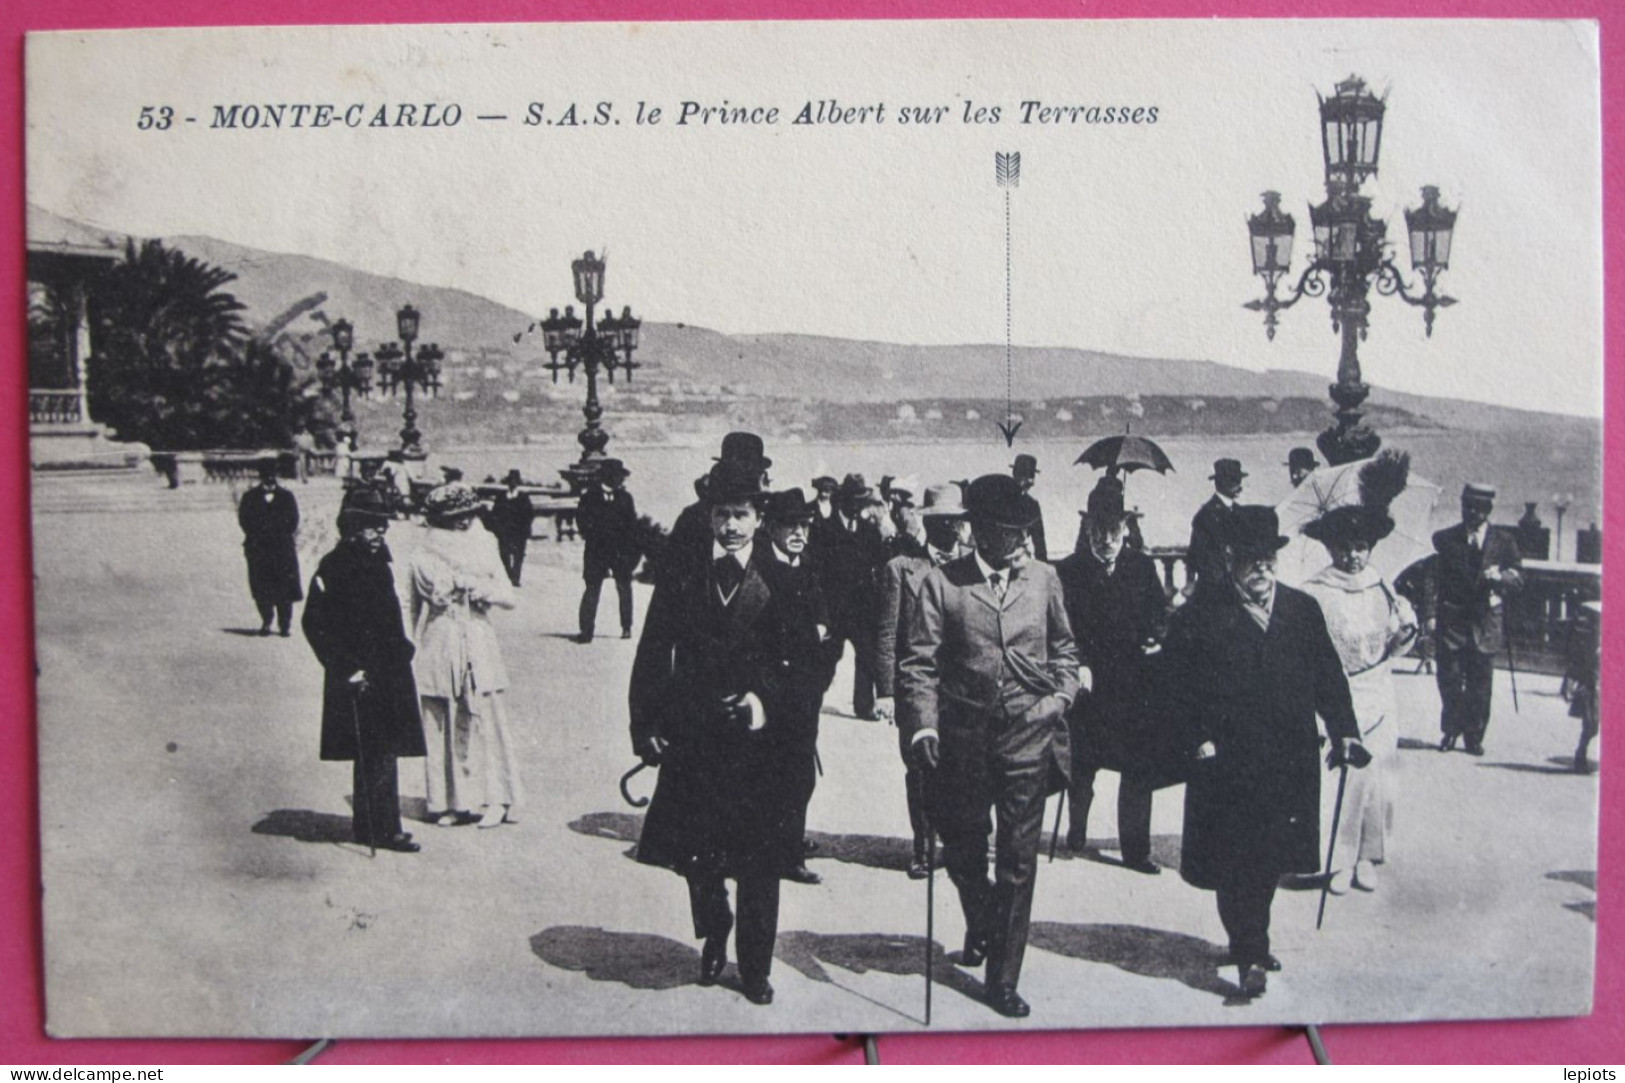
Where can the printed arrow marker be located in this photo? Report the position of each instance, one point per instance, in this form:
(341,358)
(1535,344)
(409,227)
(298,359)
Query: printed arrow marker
(1007,171)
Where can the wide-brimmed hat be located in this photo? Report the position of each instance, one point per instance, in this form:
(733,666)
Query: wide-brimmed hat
(1350,523)
(998,499)
(854,487)
(744,447)
(825,484)
(450,502)
(1478,492)
(1254,528)
(363,506)
(451,473)
(1301,458)
(1227,471)
(1024,466)
(731,481)
(513,477)
(942,501)
(613,468)
(790,506)
(1106,505)
(905,486)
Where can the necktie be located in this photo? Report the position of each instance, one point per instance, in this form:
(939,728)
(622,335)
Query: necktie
(728,574)
(996,581)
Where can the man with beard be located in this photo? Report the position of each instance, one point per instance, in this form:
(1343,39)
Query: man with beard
(369,697)
(1250,664)
(1117,609)
(708,697)
(988,674)
(947,536)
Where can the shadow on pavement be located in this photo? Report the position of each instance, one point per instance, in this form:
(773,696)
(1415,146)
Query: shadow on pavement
(1586,878)
(305,825)
(1537,768)
(1587,908)
(873,851)
(859,953)
(1412,744)
(1165,851)
(616,826)
(1150,953)
(249,632)
(637,960)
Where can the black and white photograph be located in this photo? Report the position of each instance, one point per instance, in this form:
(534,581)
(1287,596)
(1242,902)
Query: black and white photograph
(750,528)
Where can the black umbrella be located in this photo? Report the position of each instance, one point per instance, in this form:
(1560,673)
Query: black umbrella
(1125,453)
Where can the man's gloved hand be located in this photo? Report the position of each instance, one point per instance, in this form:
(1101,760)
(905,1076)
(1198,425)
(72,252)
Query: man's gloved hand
(886,708)
(1348,751)
(926,752)
(653,750)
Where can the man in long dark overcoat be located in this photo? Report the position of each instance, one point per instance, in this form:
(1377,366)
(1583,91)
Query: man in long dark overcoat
(1204,558)
(947,536)
(608,521)
(1476,569)
(709,685)
(1249,664)
(369,697)
(1118,611)
(984,686)
(511,518)
(269,517)
(851,550)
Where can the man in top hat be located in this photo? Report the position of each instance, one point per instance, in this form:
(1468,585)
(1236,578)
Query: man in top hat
(691,532)
(269,517)
(947,537)
(984,685)
(708,698)
(607,518)
(792,575)
(510,519)
(370,711)
(1300,463)
(1025,471)
(1204,559)
(1248,664)
(1477,568)
(1118,613)
(851,549)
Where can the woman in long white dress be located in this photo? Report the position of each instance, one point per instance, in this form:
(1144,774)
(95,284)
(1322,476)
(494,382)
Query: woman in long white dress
(1370,625)
(457,578)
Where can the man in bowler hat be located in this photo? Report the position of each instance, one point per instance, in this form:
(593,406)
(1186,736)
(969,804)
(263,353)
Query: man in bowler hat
(1300,463)
(1249,664)
(510,519)
(851,549)
(608,521)
(709,694)
(1204,559)
(1025,471)
(1477,568)
(369,697)
(985,682)
(269,517)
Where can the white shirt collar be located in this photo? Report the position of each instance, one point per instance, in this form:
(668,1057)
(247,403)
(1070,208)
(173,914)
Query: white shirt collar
(742,554)
(1225,500)
(938,556)
(989,571)
(785,558)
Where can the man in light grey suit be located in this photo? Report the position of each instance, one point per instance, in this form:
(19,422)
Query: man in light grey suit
(984,684)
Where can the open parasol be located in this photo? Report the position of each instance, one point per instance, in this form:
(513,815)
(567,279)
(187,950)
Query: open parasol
(1334,486)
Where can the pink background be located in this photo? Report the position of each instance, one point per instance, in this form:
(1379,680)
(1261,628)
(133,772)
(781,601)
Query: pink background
(1598,1039)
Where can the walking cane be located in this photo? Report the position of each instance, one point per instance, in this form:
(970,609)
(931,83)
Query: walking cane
(930,911)
(361,769)
(1056,834)
(1337,816)
(1512,665)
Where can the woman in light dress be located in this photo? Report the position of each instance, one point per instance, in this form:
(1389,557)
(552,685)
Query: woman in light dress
(1370,625)
(456,579)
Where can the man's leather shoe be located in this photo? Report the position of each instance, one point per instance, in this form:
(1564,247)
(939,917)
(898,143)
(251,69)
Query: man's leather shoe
(1144,866)
(1077,841)
(1253,982)
(1448,743)
(401,844)
(917,869)
(809,846)
(1270,963)
(801,874)
(713,957)
(1473,748)
(758,992)
(1007,1002)
(975,951)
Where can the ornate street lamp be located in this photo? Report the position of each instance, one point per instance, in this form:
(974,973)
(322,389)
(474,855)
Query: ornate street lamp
(1351,255)
(345,376)
(601,345)
(401,366)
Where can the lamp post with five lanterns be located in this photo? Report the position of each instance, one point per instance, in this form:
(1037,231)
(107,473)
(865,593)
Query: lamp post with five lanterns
(401,366)
(345,376)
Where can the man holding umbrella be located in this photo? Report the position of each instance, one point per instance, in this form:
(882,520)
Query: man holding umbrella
(984,685)
(1250,664)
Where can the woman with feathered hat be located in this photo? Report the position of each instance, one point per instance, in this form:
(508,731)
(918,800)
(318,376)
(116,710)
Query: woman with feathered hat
(1370,625)
(457,577)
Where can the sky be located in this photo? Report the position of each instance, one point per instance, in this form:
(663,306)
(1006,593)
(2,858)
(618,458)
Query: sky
(1129,239)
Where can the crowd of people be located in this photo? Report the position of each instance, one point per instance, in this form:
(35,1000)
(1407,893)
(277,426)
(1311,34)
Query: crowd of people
(1009,679)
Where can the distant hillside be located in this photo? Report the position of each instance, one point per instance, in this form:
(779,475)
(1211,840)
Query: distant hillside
(305,292)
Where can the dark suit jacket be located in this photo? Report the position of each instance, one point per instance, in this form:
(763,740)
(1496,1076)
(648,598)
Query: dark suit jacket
(1466,612)
(1205,557)
(511,517)
(269,530)
(850,563)
(724,801)
(900,583)
(982,672)
(1253,810)
(608,522)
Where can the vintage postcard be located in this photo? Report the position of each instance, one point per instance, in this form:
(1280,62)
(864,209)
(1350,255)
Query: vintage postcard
(613,529)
